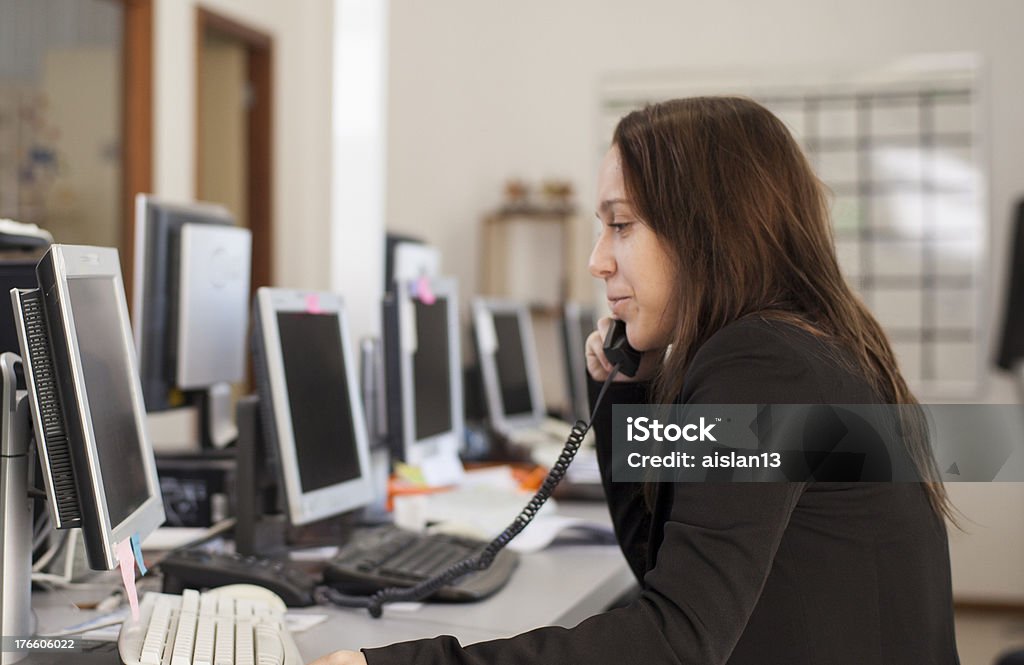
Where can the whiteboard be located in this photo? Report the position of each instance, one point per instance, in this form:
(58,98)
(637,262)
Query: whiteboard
(902,149)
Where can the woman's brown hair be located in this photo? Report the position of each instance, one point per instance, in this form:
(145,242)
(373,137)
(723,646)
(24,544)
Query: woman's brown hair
(723,183)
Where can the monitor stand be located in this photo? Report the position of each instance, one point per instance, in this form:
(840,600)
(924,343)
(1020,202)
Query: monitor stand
(261,527)
(16,525)
(261,523)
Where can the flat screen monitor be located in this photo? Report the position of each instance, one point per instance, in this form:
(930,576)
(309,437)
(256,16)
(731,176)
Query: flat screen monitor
(313,420)
(508,363)
(191,298)
(577,323)
(86,400)
(423,359)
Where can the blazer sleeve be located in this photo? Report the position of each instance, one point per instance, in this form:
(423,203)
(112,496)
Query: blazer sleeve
(630,518)
(717,549)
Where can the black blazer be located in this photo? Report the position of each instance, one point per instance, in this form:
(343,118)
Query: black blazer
(754,573)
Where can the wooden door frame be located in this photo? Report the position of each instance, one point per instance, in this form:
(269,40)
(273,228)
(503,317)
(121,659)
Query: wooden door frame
(259,48)
(136,123)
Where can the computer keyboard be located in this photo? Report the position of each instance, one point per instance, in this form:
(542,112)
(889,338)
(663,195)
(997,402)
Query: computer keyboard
(239,625)
(388,556)
(555,427)
(549,431)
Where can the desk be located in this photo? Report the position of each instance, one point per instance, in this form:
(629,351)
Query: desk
(561,585)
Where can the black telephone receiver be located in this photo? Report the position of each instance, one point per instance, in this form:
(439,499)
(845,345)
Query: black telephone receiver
(618,351)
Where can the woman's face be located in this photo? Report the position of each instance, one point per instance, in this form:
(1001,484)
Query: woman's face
(637,270)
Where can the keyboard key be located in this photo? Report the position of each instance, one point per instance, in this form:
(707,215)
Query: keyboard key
(156,635)
(244,647)
(204,641)
(184,638)
(224,649)
(269,650)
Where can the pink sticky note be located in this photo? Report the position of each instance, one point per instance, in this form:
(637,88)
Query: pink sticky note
(126,562)
(425,293)
(313,304)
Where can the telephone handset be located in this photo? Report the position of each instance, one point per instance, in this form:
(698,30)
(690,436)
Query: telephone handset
(618,351)
(625,359)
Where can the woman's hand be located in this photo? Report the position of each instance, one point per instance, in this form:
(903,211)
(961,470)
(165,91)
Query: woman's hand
(599,366)
(341,658)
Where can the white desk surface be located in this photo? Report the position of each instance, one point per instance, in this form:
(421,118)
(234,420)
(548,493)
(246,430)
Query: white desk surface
(561,585)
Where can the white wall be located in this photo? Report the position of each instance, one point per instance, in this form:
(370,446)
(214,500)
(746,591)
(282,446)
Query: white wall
(480,92)
(302,33)
(359,146)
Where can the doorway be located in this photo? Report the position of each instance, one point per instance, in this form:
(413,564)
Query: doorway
(234,135)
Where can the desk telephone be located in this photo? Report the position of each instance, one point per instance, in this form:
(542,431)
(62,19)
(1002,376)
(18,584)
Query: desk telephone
(625,359)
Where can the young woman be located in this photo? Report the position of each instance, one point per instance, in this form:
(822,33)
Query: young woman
(716,251)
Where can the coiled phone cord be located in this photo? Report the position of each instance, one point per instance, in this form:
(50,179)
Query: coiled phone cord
(483,560)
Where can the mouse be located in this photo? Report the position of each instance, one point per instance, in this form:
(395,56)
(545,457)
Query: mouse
(250,592)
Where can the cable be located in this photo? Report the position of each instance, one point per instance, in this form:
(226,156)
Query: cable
(374,604)
(44,560)
(41,530)
(59,582)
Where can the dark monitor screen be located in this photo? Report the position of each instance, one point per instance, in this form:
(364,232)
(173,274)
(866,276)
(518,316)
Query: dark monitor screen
(430,368)
(315,375)
(108,384)
(511,363)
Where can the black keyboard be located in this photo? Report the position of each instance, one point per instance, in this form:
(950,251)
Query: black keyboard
(388,556)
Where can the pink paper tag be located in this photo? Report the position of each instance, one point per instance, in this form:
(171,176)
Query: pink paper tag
(126,562)
(313,304)
(424,292)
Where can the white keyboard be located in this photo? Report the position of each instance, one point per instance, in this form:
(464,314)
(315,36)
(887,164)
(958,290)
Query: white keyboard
(228,626)
(547,432)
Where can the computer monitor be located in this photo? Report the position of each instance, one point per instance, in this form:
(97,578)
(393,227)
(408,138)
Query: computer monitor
(423,376)
(411,261)
(508,363)
(311,415)
(1010,355)
(190,306)
(578,322)
(86,401)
